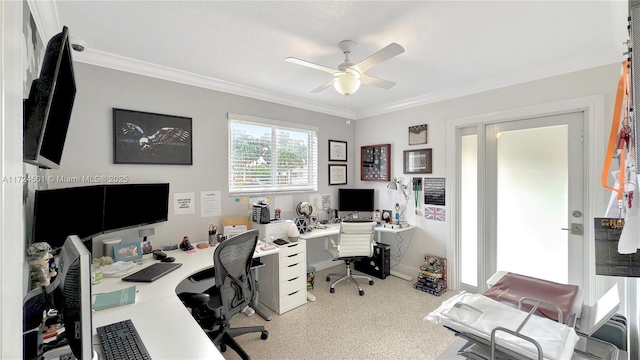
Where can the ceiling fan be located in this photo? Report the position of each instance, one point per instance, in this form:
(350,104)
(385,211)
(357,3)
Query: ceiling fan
(348,76)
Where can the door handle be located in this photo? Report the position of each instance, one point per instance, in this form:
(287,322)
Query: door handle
(576,229)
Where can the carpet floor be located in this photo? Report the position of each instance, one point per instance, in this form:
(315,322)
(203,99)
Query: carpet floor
(386,323)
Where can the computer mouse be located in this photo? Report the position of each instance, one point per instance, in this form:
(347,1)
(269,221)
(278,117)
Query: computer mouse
(168,259)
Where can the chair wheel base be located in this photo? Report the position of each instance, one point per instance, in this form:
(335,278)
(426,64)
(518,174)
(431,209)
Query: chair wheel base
(370,282)
(264,335)
(328,279)
(361,292)
(332,290)
(223,347)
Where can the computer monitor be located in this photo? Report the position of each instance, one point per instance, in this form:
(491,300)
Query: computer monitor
(59,213)
(356,200)
(130,205)
(73,299)
(66,301)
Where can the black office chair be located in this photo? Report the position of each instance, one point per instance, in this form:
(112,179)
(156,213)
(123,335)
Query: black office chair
(233,290)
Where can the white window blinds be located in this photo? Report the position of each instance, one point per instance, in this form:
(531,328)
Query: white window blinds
(268,155)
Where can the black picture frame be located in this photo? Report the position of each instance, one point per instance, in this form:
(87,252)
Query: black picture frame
(148,138)
(337,150)
(417,161)
(337,174)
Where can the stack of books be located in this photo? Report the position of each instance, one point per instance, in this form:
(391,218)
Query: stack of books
(433,275)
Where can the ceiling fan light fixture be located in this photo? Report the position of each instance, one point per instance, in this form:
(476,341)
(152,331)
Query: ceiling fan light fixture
(346,83)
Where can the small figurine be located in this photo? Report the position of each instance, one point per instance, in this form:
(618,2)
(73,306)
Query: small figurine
(185,244)
(103,261)
(38,255)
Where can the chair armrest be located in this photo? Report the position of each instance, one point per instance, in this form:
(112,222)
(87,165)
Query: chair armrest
(193,300)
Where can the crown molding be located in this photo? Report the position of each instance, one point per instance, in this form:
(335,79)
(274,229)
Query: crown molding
(528,75)
(45,14)
(107,60)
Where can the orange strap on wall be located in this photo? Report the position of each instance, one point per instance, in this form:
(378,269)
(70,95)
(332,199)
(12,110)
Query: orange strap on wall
(613,135)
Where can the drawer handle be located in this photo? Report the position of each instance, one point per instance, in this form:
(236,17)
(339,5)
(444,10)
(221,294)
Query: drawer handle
(293,245)
(293,265)
(295,278)
(293,255)
(295,292)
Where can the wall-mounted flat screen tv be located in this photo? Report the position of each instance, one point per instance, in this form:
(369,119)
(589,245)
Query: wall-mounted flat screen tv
(47,111)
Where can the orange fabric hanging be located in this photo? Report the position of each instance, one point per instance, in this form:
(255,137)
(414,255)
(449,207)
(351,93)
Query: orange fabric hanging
(613,135)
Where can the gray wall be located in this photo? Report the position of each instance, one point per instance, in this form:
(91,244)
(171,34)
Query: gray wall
(89,146)
(432,237)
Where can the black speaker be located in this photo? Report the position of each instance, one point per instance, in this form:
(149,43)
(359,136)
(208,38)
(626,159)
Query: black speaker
(379,265)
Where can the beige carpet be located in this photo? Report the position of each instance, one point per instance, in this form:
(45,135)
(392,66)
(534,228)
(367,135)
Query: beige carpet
(386,323)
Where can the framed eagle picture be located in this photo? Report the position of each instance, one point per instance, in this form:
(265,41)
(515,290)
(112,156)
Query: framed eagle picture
(148,138)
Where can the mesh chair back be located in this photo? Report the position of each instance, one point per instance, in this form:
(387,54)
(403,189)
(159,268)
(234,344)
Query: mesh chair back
(232,261)
(356,239)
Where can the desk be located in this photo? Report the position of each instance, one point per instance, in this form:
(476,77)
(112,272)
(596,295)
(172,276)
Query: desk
(334,229)
(165,326)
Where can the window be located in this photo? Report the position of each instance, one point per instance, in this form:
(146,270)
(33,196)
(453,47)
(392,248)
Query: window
(271,156)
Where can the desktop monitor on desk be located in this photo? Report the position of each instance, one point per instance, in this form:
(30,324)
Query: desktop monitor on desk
(354,200)
(70,295)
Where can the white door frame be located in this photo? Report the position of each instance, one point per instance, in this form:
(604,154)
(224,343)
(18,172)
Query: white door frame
(594,146)
(12,243)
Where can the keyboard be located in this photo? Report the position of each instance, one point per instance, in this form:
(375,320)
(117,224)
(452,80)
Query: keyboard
(120,341)
(152,273)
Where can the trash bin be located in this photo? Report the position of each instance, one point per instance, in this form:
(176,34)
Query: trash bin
(311,275)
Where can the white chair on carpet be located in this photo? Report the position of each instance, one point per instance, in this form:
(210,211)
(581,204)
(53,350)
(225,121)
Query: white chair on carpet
(354,242)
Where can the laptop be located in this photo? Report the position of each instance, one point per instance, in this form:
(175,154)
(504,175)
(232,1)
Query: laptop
(152,273)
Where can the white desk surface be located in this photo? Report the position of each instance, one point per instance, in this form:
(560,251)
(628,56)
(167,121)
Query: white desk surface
(165,326)
(334,229)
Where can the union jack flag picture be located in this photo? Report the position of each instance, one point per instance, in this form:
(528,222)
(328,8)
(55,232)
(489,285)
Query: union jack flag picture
(434,213)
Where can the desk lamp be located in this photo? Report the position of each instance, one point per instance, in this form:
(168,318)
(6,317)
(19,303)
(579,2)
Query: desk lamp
(393,185)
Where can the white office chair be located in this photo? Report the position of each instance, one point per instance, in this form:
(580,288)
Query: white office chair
(355,242)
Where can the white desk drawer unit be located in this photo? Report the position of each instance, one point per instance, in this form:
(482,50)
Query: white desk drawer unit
(283,278)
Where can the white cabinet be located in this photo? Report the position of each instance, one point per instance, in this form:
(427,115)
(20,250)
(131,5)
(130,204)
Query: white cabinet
(283,278)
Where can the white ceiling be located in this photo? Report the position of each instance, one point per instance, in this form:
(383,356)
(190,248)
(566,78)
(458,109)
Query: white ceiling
(453,48)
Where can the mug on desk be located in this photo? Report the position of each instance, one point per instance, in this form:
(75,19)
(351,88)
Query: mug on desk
(96,275)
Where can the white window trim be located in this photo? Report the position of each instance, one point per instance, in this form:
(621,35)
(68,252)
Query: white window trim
(249,119)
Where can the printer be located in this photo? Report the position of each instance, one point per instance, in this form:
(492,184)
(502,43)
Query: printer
(277,229)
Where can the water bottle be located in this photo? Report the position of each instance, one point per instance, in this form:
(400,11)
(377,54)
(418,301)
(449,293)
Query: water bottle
(212,235)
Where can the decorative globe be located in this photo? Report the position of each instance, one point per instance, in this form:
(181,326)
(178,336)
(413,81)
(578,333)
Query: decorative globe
(305,209)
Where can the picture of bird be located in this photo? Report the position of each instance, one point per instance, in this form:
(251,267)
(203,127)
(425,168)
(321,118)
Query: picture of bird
(164,136)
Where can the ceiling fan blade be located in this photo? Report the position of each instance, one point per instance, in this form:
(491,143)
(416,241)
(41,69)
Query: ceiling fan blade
(385,84)
(311,65)
(383,54)
(324,87)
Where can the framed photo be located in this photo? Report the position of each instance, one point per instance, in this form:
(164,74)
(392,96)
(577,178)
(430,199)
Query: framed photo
(337,150)
(337,174)
(418,134)
(417,161)
(147,138)
(375,162)
(127,252)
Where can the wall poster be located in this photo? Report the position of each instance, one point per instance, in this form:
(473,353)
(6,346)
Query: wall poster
(434,191)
